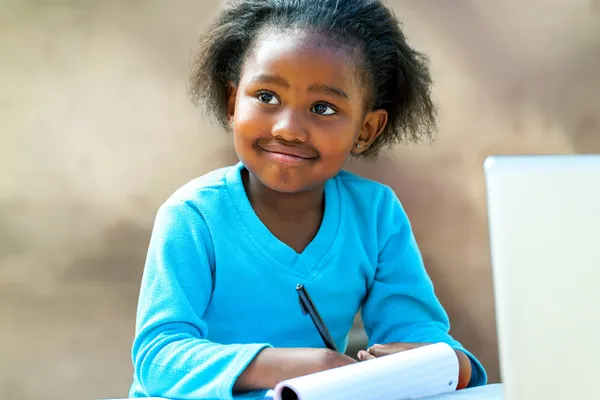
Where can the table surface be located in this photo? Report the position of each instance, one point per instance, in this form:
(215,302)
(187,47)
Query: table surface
(489,392)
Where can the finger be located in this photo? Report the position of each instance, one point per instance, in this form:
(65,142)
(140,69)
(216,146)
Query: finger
(364,355)
(379,351)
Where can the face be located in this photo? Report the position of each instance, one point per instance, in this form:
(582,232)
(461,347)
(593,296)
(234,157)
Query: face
(299,111)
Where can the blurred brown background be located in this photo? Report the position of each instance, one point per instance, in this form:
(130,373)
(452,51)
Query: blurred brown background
(96,130)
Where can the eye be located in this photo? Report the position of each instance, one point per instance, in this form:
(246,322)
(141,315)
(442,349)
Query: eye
(267,98)
(323,109)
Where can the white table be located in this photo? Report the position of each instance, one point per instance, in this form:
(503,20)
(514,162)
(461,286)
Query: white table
(489,392)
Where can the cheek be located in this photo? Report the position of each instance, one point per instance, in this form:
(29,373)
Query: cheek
(336,149)
(250,120)
(337,140)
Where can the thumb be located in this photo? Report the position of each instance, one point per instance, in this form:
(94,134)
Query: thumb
(365,355)
(379,350)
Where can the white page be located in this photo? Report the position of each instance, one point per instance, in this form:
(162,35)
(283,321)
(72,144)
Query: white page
(412,374)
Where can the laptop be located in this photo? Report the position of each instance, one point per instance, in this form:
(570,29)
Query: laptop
(544,222)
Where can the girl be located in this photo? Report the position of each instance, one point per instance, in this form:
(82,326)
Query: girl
(303,85)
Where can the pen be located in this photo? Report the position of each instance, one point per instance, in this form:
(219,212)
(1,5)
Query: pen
(307,307)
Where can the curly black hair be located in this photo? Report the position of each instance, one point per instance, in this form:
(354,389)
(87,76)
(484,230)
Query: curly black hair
(398,75)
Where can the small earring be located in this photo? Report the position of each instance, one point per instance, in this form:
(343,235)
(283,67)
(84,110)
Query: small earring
(358,145)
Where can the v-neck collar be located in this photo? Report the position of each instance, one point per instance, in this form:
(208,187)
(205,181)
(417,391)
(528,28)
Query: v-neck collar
(309,261)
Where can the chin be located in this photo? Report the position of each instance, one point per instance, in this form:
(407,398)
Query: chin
(282,185)
(281,178)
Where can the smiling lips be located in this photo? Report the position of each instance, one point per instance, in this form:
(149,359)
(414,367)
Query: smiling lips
(289,154)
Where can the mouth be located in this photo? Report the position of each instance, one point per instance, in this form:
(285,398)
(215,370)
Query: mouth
(288,154)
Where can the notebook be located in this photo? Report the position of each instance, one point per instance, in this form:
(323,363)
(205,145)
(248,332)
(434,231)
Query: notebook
(425,373)
(419,373)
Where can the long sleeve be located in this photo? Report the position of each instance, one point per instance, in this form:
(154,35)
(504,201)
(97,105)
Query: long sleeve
(171,356)
(401,305)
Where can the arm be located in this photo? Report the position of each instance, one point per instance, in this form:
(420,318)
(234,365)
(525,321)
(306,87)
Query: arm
(171,355)
(273,365)
(401,305)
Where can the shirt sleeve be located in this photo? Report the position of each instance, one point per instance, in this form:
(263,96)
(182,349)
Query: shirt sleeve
(171,356)
(401,305)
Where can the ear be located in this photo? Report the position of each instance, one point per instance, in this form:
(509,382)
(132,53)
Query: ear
(373,124)
(231,96)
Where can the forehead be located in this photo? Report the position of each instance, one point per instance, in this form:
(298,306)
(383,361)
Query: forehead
(304,58)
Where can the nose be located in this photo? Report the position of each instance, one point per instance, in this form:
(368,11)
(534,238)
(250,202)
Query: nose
(290,127)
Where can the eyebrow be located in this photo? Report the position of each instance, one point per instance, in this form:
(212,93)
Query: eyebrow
(274,79)
(329,89)
(280,81)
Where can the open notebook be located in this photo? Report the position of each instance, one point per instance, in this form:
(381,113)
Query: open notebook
(414,374)
(424,373)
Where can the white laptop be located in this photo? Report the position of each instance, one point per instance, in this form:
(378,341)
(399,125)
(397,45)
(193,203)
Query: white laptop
(544,214)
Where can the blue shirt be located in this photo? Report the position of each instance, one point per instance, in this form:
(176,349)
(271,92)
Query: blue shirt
(218,286)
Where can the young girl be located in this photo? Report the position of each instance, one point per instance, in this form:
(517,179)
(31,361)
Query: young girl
(303,85)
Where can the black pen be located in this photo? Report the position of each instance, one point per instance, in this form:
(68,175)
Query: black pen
(307,307)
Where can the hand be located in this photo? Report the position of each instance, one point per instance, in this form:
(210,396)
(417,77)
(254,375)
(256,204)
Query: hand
(273,365)
(310,360)
(380,350)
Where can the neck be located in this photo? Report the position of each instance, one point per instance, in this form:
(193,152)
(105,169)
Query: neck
(286,205)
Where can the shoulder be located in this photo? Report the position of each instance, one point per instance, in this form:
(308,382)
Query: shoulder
(372,203)
(200,194)
(208,183)
(367,191)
